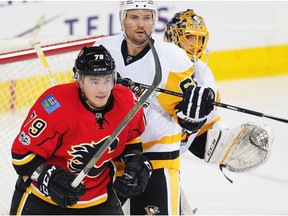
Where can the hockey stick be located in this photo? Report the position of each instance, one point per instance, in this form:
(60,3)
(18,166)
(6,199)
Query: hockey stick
(126,120)
(36,45)
(247,111)
(129,83)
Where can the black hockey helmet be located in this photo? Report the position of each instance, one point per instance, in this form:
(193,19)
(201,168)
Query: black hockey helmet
(96,61)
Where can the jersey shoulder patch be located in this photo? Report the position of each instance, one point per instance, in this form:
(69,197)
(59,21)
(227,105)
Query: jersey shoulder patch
(50,104)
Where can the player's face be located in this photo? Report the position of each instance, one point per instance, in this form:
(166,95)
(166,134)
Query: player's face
(97,89)
(190,43)
(136,22)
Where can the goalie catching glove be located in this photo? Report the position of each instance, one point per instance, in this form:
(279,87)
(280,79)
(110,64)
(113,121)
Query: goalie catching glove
(56,183)
(196,105)
(240,149)
(135,177)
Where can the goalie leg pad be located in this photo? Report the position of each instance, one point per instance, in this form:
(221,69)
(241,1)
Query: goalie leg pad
(241,148)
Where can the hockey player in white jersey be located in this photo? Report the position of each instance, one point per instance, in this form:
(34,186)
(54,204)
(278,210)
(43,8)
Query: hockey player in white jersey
(214,142)
(162,136)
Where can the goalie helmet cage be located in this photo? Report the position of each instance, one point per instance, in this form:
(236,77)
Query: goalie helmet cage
(22,80)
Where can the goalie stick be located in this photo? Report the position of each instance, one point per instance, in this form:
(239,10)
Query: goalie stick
(129,83)
(126,120)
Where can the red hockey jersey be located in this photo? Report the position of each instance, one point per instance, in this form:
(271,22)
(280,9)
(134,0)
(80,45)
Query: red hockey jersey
(63,132)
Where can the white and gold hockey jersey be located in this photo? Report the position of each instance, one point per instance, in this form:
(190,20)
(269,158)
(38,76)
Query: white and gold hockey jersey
(205,78)
(162,136)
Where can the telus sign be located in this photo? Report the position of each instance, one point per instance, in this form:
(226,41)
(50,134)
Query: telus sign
(93,23)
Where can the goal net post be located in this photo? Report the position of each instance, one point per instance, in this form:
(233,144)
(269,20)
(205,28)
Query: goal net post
(23,79)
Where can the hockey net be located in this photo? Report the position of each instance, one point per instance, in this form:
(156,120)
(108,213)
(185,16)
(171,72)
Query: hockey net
(23,78)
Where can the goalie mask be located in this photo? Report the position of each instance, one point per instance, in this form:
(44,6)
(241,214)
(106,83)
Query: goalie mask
(94,61)
(181,29)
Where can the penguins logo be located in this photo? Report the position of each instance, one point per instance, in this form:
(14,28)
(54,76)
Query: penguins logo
(152,210)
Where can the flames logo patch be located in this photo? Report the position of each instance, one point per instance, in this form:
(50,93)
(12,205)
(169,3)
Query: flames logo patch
(82,154)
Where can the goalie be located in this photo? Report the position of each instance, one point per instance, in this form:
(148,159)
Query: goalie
(206,135)
(209,138)
(238,149)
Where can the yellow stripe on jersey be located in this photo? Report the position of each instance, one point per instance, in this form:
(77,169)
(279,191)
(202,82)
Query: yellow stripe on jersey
(24,160)
(173,83)
(163,141)
(173,164)
(22,202)
(174,188)
(217,97)
(80,204)
(134,141)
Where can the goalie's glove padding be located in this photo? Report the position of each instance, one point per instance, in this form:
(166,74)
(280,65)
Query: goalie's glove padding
(56,183)
(196,105)
(241,148)
(134,178)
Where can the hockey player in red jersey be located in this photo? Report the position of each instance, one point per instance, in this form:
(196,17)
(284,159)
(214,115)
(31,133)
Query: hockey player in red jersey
(63,130)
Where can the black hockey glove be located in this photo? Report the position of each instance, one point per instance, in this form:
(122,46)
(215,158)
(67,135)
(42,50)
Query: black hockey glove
(135,177)
(136,89)
(56,183)
(196,105)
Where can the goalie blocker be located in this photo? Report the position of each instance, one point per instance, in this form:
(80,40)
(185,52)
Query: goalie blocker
(241,148)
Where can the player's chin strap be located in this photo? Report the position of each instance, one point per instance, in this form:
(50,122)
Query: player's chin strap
(133,44)
(136,45)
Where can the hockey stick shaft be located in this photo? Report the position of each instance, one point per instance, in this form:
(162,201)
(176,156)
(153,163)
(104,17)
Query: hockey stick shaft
(126,120)
(37,47)
(247,111)
(222,105)
(127,82)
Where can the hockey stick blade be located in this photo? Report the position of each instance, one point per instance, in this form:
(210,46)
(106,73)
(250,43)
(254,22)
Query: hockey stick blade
(222,105)
(126,120)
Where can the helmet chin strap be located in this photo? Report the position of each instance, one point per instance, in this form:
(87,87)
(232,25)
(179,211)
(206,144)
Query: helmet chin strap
(133,44)
(95,108)
(90,103)
(130,42)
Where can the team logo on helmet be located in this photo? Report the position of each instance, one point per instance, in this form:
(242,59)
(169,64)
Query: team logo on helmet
(95,60)
(182,27)
(197,22)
